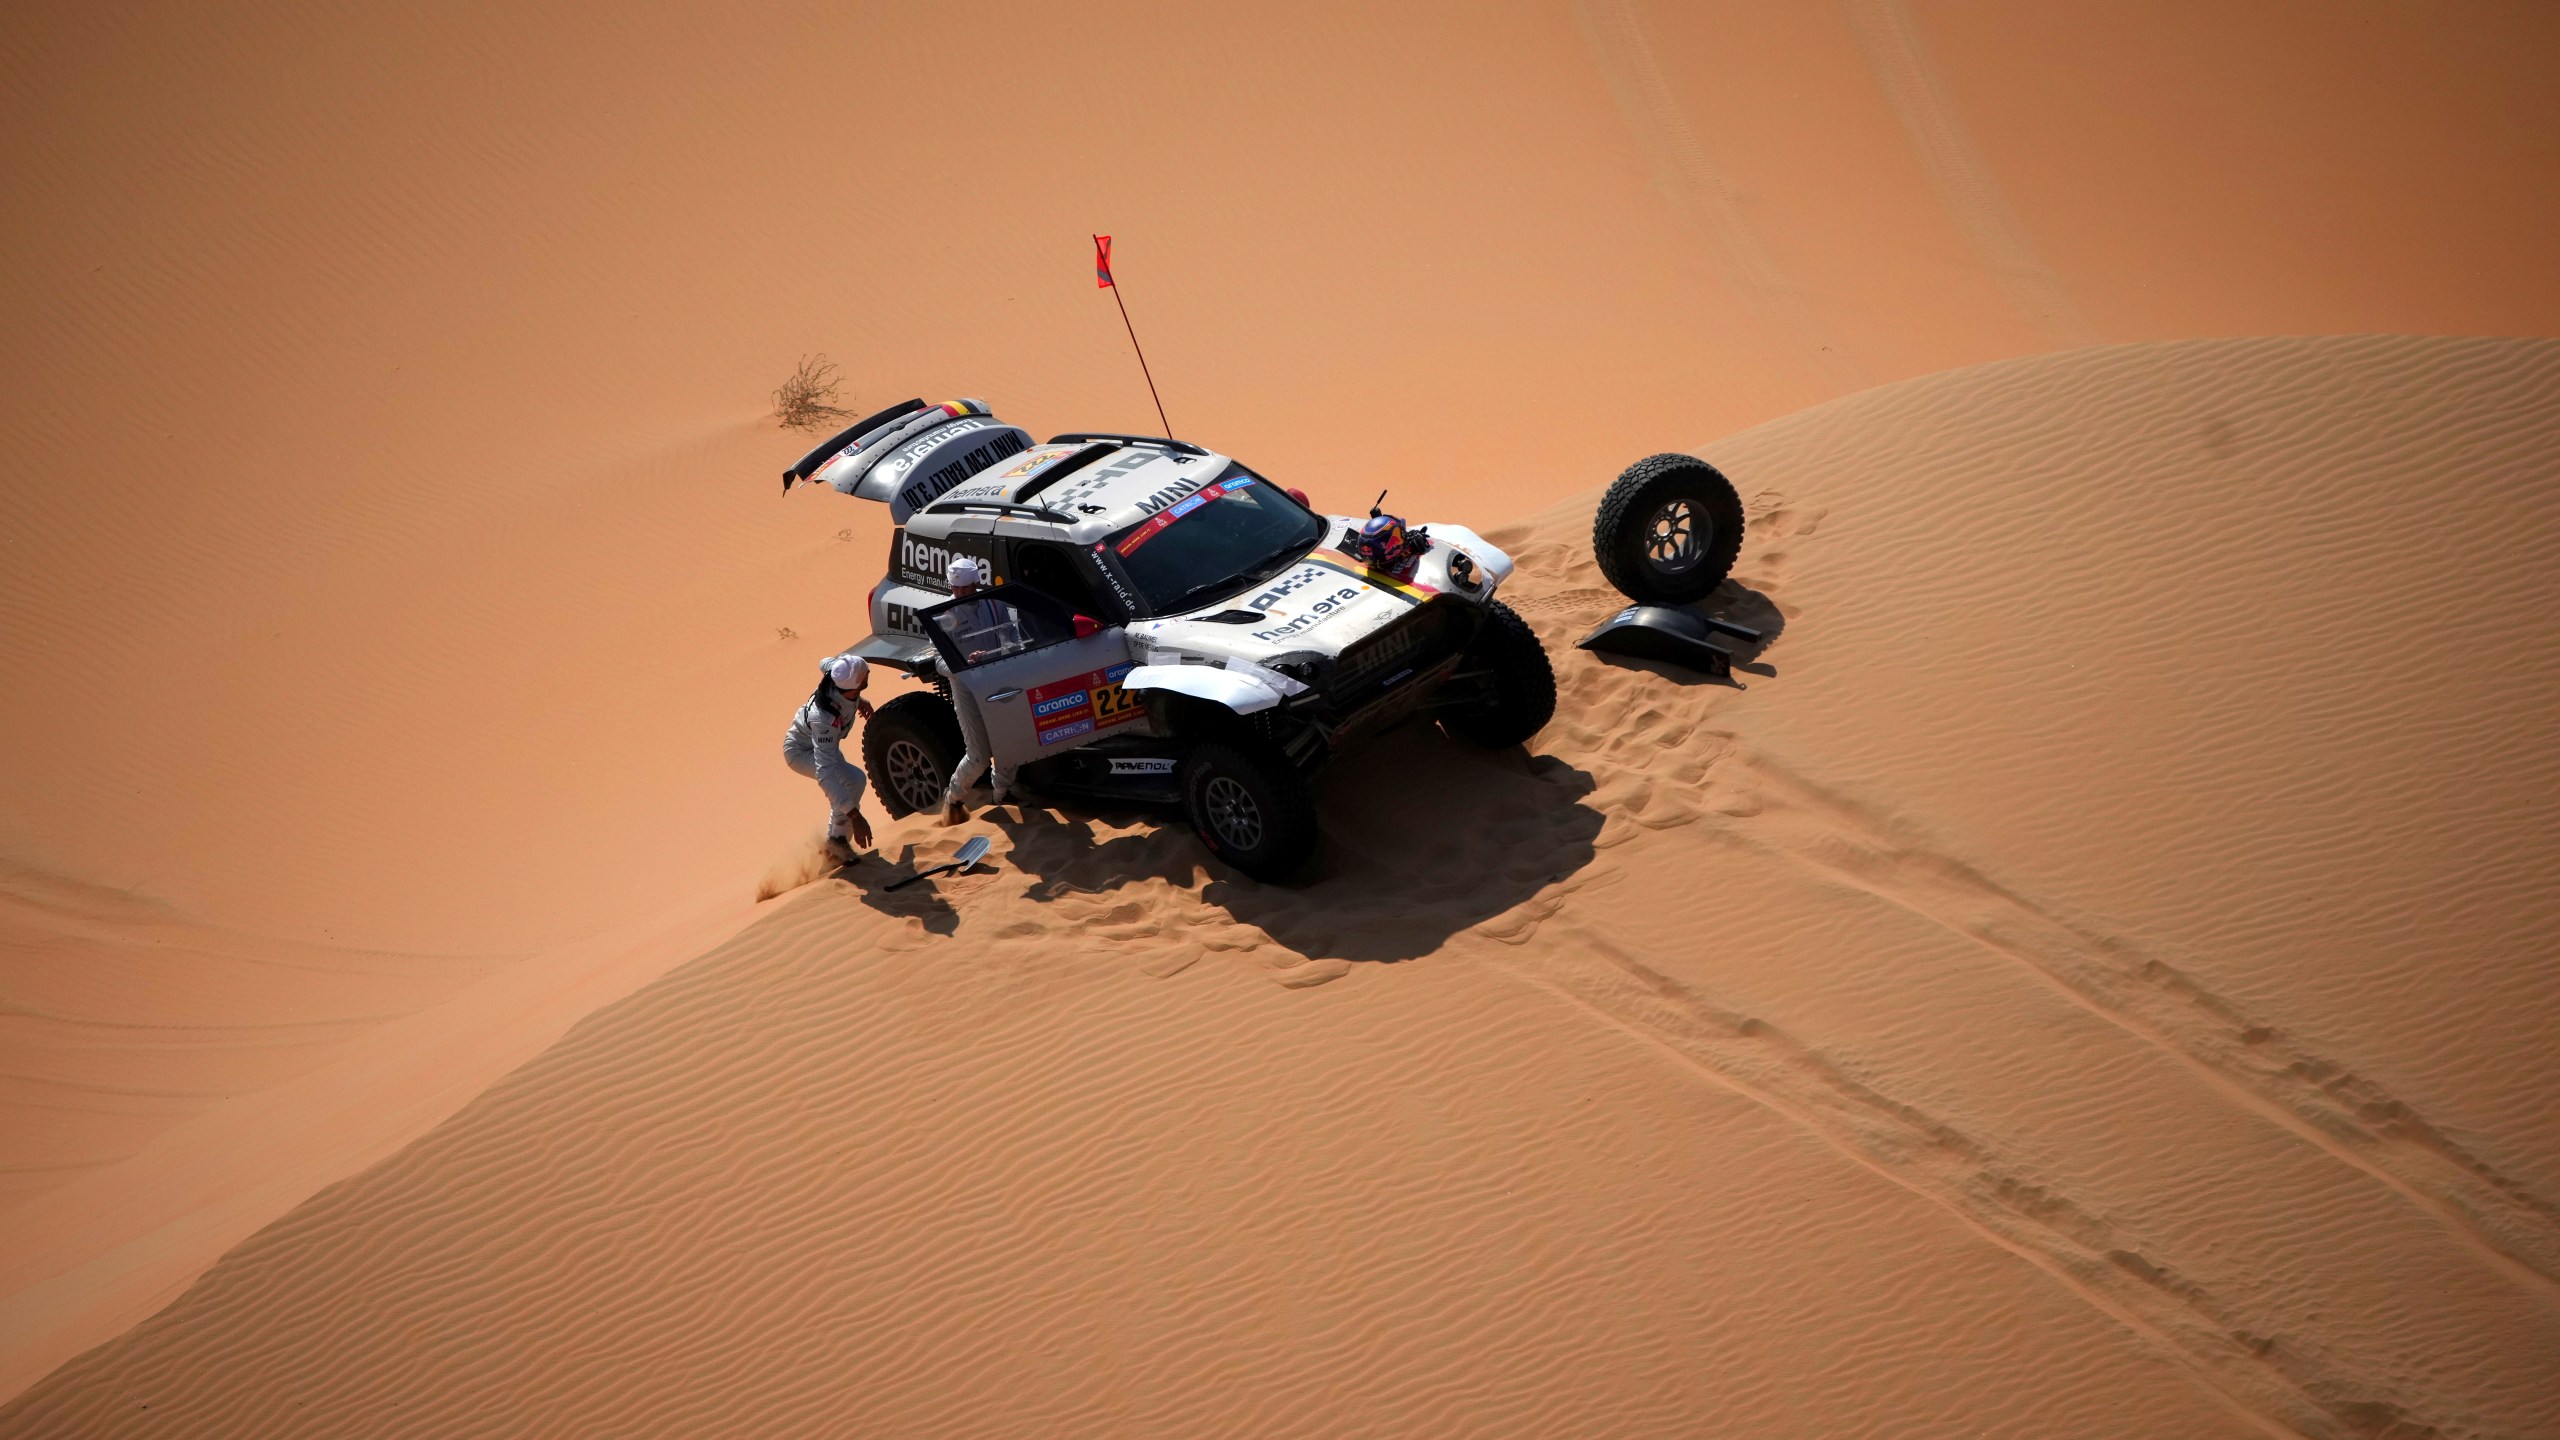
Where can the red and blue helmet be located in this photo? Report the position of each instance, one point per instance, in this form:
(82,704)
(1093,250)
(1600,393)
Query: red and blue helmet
(1384,543)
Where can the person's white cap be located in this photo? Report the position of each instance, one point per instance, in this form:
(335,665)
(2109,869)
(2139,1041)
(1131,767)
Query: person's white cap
(850,672)
(964,571)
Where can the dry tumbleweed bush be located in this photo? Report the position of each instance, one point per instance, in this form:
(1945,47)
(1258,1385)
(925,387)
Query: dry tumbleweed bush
(806,401)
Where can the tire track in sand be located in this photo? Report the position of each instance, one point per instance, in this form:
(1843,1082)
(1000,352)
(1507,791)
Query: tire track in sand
(2262,1373)
(2229,1350)
(1615,32)
(1889,39)
(1940,1164)
(2254,1065)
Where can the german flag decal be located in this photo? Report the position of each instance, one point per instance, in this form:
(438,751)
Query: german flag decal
(1341,564)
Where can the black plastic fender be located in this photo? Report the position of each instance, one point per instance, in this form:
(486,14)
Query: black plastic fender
(1671,635)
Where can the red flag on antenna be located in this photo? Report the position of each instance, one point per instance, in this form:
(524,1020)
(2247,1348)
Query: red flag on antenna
(1102,281)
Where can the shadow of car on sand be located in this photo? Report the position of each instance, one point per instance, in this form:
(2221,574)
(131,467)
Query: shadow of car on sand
(1422,838)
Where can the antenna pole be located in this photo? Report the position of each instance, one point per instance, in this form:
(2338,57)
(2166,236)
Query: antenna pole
(1114,287)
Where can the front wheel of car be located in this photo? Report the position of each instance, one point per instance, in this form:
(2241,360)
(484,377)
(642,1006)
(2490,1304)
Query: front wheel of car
(1251,807)
(1511,692)
(911,745)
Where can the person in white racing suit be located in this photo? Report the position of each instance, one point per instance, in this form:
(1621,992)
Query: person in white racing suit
(986,627)
(814,746)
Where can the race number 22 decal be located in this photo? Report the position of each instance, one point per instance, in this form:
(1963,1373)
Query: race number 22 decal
(1112,705)
(1065,710)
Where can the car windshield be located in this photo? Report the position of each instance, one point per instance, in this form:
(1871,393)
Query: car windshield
(1237,532)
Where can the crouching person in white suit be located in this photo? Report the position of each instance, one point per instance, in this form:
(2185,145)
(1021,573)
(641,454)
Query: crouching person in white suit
(814,746)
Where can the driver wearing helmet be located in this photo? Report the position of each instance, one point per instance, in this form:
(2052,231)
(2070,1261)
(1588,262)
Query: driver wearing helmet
(1385,544)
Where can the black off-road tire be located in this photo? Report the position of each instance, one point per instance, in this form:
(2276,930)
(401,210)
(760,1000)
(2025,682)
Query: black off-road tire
(1668,530)
(1518,692)
(910,747)
(1250,806)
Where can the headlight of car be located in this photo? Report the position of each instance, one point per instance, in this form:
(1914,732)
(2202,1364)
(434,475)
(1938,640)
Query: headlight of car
(1462,568)
(1305,667)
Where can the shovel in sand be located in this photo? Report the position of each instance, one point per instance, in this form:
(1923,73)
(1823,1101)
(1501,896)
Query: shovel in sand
(972,850)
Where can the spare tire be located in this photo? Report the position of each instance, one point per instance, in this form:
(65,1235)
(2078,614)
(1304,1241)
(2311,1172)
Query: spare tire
(911,745)
(1668,530)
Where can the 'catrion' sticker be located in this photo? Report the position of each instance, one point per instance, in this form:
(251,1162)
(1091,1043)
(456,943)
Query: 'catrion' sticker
(1079,728)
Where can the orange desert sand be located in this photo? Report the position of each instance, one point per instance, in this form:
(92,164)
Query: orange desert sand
(2095,974)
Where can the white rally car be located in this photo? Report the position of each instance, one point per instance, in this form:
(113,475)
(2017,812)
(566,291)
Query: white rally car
(1164,625)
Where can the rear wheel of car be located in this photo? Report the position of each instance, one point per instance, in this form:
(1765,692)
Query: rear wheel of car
(1514,687)
(910,746)
(1668,530)
(1250,806)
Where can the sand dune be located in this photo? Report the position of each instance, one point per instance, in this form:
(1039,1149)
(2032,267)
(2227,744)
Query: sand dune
(153,1127)
(816,1238)
(121,1021)
(394,384)
(2094,979)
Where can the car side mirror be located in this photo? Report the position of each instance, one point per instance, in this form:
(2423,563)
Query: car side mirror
(1087,627)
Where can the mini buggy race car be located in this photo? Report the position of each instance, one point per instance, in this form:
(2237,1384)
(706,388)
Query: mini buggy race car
(1163,625)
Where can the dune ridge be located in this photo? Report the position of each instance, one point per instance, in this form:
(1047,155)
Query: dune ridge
(1615,31)
(1916,88)
(1787,1056)
(118,1019)
(152,1144)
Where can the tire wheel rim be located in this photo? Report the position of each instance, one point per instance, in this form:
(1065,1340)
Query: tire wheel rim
(1671,538)
(1233,817)
(911,775)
